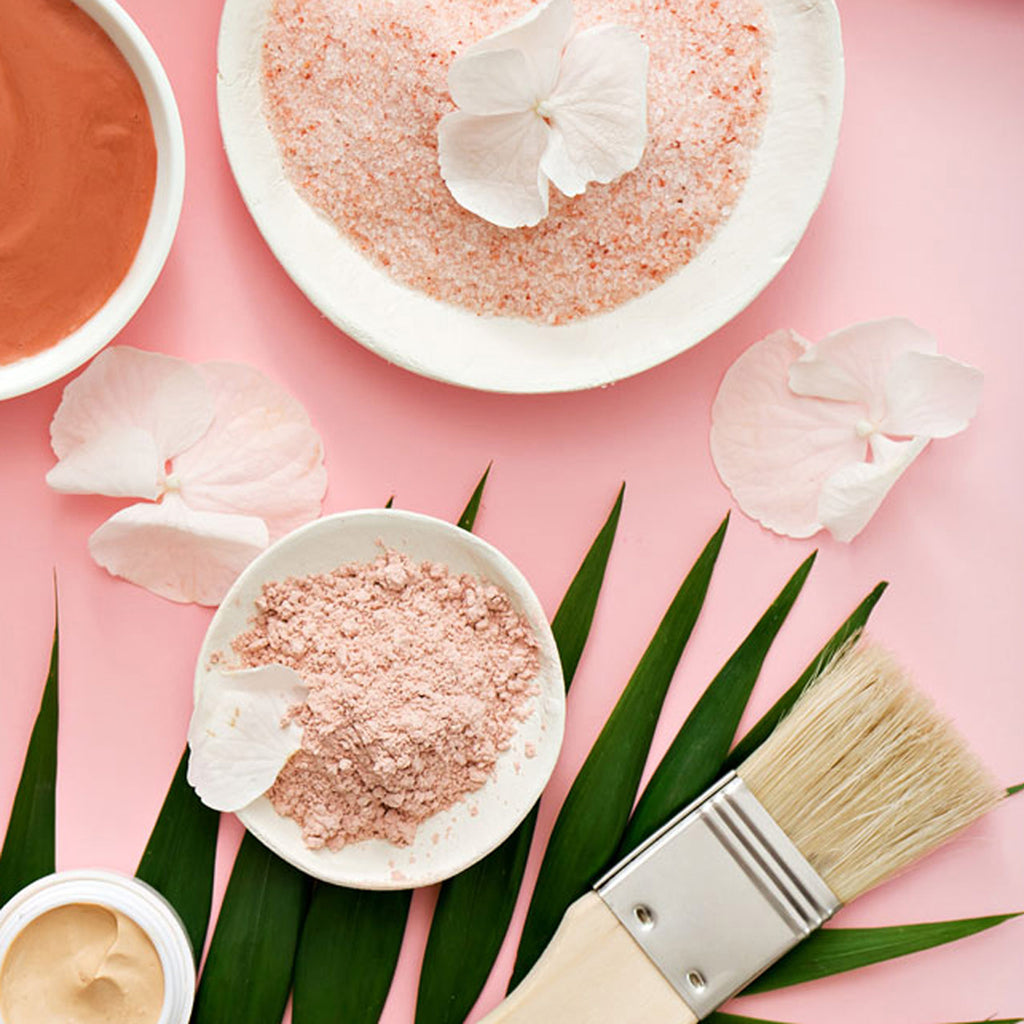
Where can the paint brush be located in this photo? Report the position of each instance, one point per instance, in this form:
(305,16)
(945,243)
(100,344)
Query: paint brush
(859,780)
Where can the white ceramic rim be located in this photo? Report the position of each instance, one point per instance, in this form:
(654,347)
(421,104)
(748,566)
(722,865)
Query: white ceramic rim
(519,780)
(44,367)
(789,171)
(137,900)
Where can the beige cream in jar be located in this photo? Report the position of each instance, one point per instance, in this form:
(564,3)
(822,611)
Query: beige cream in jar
(81,962)
(93,947)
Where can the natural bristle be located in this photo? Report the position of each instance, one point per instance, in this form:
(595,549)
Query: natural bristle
(865,776)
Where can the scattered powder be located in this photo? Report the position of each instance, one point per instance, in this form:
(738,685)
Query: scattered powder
(417,678)
(354,90)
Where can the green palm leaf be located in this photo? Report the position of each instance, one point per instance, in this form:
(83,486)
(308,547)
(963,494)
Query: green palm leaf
(590,823)
(468,518)
(179,857)
(1015,789)
(732,1018)
(836,950)
(694,759)
(352,938)
(474,908)
(29,850)
(248,971)
(347,954)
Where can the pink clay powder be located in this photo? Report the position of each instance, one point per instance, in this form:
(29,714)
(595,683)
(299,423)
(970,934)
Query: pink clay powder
(417,678)
(354,91)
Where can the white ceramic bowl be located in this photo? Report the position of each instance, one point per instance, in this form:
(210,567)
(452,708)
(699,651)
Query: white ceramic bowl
(470,829)
(143,904)
(40,369)
(788,173)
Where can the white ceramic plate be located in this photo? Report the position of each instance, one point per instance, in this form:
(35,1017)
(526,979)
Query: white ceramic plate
(503,802)
(788,175)
(40,369)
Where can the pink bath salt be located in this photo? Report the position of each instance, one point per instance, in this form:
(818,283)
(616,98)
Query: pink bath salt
(418,680)
(354,91)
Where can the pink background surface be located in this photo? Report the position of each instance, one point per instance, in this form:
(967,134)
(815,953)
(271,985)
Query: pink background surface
(923,218)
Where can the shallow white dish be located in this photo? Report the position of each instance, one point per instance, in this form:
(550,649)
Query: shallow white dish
(501,804)
(788,175)
(44,367)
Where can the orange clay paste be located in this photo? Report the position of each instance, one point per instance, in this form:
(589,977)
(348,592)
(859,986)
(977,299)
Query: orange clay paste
(77,171)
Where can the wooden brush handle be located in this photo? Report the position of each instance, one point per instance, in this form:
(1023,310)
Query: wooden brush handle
(593,972)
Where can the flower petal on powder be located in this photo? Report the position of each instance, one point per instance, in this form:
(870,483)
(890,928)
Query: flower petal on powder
(239,737)
(491,165)
(540,35)
(598,112)
(852,365)
(125,390)
(123,462)
(930,395)
(260,457)
(852,495)
(774,449)
(176,552)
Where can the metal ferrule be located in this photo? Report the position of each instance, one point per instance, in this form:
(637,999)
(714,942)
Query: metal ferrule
(717,896)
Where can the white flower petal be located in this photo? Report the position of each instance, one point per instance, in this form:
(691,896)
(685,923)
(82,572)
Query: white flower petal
(122,462)
(491,165)
(125,388)
(494,82)
(260,457)
(598,112)
(239,737)
(176,552)
(852,365)
(930,395)
(540,35)
(851,496)
(774,449)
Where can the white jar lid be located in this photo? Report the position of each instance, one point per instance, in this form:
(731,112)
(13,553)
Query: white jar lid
(143,904)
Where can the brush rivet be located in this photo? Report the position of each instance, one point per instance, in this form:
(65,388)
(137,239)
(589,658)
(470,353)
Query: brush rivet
(696,981)
(644,915)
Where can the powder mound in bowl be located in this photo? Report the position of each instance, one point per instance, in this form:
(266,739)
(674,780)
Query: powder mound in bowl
(418,679)
(354,91)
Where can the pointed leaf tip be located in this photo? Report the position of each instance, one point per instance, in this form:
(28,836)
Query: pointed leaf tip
(760,732)
(468,518)
(837,950)
(695,756)
(29,850)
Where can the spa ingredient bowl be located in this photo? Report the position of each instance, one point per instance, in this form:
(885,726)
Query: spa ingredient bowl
(788,170)
(49,364)
(451,839)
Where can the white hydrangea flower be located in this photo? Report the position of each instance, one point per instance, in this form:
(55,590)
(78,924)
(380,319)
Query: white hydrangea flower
(230,460)
(538,105)
(814,436)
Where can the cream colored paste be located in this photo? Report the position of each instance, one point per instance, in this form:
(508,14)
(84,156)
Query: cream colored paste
(81,964)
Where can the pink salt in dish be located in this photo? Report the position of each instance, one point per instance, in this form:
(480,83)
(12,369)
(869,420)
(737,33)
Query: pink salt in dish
(418,679)
(354,92)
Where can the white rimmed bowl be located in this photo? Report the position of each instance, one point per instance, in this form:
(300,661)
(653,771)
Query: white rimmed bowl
(471,828)
(44,367)
(788,174)
(143,904)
